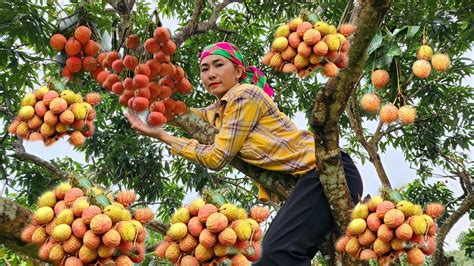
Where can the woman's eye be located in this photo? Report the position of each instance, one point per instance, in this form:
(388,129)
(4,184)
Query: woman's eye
(219,65)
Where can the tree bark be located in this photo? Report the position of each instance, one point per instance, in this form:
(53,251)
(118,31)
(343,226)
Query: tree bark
(13,218)
(331,101)
(438,258)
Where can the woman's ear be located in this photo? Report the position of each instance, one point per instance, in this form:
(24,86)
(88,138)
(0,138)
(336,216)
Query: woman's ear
(239,71)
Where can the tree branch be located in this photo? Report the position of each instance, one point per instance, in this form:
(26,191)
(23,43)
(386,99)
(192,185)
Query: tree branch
(21,154)
(202,27)
(438,257)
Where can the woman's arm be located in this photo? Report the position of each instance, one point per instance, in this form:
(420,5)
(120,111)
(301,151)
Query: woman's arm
(146,130)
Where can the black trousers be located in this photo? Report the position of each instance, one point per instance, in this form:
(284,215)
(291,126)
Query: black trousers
(299,226)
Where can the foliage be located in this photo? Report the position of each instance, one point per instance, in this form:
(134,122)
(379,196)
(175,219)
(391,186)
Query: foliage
(466,241)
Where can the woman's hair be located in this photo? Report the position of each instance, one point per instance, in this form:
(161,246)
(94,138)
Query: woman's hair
(251,74)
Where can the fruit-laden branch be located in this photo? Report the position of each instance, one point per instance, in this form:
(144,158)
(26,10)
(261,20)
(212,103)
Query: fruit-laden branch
(329,104)
(202,27)
(468,203)
(353,114)
(278,183)
(14,217)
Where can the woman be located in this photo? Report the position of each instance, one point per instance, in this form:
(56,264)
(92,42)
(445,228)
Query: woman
(252,128)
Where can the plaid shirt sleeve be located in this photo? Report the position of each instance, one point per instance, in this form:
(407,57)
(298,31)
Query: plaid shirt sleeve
(240,116)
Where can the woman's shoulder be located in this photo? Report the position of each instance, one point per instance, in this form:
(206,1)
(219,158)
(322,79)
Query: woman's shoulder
(246,91)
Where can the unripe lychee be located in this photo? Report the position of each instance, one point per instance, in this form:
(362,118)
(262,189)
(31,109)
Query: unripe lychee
(57,253)
(87,255)
(172,252)
(398,244)
(276,61)
(114,212)
(123,260)
(79,205)
(440,62)
(282,31)
(28,99)
(181,215)
(418,224)
(360,211)
(66,216)
(417,210)
(61,232)
(388,113)
(47,199)
(356,226)
(126,230)
(352,247)
(39,236)
(207,238)
(26,112)
(333,42)
(243,229)
(177,231)
(322,27)
(379,78)
(202,253)
(300,61)
(424,53)
(294,23)
(370,102)
(380,247)
(43,215)
(280,44)
(421,68)
(405,206)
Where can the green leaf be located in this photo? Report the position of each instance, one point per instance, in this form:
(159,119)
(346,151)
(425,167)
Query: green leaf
(412,30)
(394,50)
(375,43)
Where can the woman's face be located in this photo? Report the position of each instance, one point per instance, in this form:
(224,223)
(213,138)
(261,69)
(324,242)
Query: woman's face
(219,74)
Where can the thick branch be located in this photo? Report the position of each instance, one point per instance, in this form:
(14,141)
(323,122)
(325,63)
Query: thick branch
(466,204)
(279,183)
(331,101)
(21,154)
(202,27)
(13,218)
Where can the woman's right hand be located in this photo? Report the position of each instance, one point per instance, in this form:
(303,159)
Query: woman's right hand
(143,128)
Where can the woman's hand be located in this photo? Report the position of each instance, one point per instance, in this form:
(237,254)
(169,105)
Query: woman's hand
(145,129)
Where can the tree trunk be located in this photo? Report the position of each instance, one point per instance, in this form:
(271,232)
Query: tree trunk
(13,218)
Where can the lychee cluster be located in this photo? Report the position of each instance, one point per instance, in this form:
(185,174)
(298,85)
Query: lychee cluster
(203,232)
(422,67)
(70,230)
(389,113)
(80,49)
(302,47)
(47,115)
(149,85)
(381,230)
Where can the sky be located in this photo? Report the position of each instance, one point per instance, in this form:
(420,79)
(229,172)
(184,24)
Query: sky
(395,165)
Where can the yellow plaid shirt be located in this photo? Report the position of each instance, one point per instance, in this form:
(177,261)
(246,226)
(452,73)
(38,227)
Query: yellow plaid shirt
(252,128)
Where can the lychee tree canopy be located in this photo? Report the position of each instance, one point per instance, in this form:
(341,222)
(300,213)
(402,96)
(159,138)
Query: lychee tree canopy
(117,155)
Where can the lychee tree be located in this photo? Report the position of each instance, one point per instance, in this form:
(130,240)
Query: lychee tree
(388,37)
